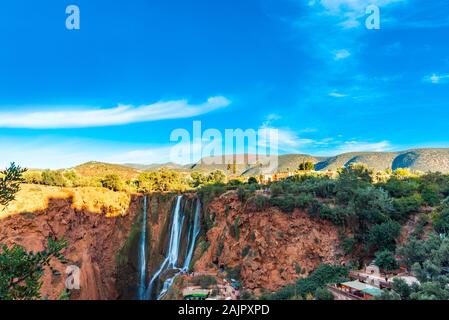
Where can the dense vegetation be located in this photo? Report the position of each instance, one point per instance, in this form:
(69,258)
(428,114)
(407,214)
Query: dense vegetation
(371,208)
(161,180)
(314,286)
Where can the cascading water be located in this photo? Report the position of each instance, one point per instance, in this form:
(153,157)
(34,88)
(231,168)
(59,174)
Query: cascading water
(196,233)
(142,252)
(170,263)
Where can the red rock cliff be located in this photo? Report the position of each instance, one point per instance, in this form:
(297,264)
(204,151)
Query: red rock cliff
(272,248)
(94,239)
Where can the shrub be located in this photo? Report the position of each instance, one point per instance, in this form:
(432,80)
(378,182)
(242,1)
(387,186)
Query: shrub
(386,260)
(252,180)
(348,245)
(402,288)
(205,282)
(235,229)
(260,202)
(234,273)
(383,236)
(246,251)
(431,194)
(112,182)
(405,206)
(53,178)
(323,294)
(441,222)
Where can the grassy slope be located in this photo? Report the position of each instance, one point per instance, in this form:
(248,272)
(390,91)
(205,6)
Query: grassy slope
(32,198)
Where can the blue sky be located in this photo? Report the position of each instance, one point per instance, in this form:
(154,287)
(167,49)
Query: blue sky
(136,70)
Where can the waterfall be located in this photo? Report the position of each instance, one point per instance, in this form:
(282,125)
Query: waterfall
(142,252)
(196,233)
(172,258)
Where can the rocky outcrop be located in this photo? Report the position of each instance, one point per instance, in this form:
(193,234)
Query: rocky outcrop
(93,243)
(270,248)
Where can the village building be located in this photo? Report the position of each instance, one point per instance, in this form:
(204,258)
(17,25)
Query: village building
(359,289)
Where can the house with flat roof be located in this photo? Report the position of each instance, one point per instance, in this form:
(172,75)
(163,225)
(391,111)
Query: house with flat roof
(360,289)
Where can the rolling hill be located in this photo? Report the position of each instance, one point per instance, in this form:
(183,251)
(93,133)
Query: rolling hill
(424,160)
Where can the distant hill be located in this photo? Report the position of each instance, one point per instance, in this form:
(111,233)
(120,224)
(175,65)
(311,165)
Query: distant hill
(155,166)
(100,169)
(415,159)
(375,160)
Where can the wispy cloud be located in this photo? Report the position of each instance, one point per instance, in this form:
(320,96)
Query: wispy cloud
(341,54)
(349,12)
(120,115)
(337,94)
(437,78)
(361,146)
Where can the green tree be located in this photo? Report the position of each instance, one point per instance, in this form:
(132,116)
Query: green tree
(405,206)
(216,177)
(386,260)
(402,288)
(21,271)
(383,236)
(323,294)
(431,194)
(10,180)
(306,166)
(441,222)
(389,295)
(53,178)
(252,180)
(112,182)
(431,291)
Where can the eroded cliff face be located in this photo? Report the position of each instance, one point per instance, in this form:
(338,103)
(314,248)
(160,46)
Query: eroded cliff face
(94,239)
(271,248)
(159,207)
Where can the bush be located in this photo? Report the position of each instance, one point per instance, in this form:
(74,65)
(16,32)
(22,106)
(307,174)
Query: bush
(33,177)
(383,236)
(348,245)
(205,282)
(441,222)
(53,178)
(285,203)
(386,260)
(402,288)
(323,294)
(260,202)
(234,230)
(431,194)
(235,273)
(252,180)
(405,206)
(112,182)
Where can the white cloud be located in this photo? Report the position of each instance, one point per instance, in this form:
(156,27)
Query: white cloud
(337,94)
(350,10)
(360,146)
(341,54)
(120,115)
(437,78)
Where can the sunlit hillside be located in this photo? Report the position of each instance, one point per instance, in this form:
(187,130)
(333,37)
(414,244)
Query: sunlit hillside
(32,198)
(100,169)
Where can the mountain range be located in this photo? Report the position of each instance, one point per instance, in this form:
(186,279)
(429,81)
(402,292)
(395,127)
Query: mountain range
(425,160)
